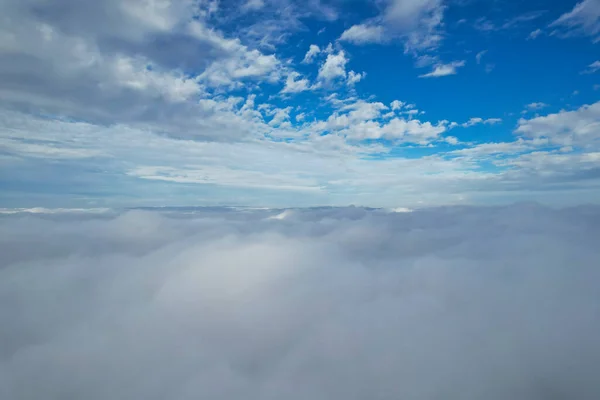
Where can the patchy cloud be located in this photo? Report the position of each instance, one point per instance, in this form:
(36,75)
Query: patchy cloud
(582,20)
(363,34)
(417,23)
(534,34)
(440,70)
(581,126)
(312,52)
(333,67)
(593,67)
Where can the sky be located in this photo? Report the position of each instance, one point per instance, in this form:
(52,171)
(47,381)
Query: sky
(459,302)
(289,103)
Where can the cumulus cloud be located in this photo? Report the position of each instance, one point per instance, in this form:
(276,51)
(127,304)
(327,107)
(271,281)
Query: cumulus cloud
(136,62)
(579,127)
(355,77)
(295,83)
(333,67)
(312,52)
(326,303)
(536,105)
(397,105)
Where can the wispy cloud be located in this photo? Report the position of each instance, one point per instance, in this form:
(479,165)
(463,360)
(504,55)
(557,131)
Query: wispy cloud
(440,70)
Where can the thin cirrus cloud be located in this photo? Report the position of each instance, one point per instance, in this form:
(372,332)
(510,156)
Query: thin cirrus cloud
(582,20)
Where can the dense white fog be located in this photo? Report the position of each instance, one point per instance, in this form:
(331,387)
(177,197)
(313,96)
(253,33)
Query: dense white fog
(342,303)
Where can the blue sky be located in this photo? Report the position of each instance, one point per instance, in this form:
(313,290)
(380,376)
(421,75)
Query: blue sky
(278,103)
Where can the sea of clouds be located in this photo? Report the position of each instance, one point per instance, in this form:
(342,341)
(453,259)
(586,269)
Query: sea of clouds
(462,303)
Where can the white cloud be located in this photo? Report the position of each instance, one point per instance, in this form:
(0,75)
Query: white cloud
(295,83)
(440,70)
(250,64)
(397,104)
(593,67)
(333,67)
(502,148)
(253,5)
(452,140)
(536,105)
(316,304)
(134,74)
(324,161)
(364,34)
(280,115)
(534,34)
(579,127)
(416,22)
(583,19)
(486,25)
(410,131)
(479,55)
(224,176)
(113,62)
(355,77)
(312,52)
(477,120)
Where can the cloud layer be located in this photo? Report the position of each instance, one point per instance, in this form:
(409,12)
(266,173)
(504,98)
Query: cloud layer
(327,303)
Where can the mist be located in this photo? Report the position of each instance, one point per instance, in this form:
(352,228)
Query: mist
(446,303)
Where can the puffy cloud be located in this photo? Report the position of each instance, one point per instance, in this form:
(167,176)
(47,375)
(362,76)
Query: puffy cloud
(583,19)
(355,77)
(578,127)
(312,52)
(410,131)
(280,115)
(397,105)
(322,303)
(295,83)
(333,67)
(121,62)
(593,67)
(364,34)
(440,70)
